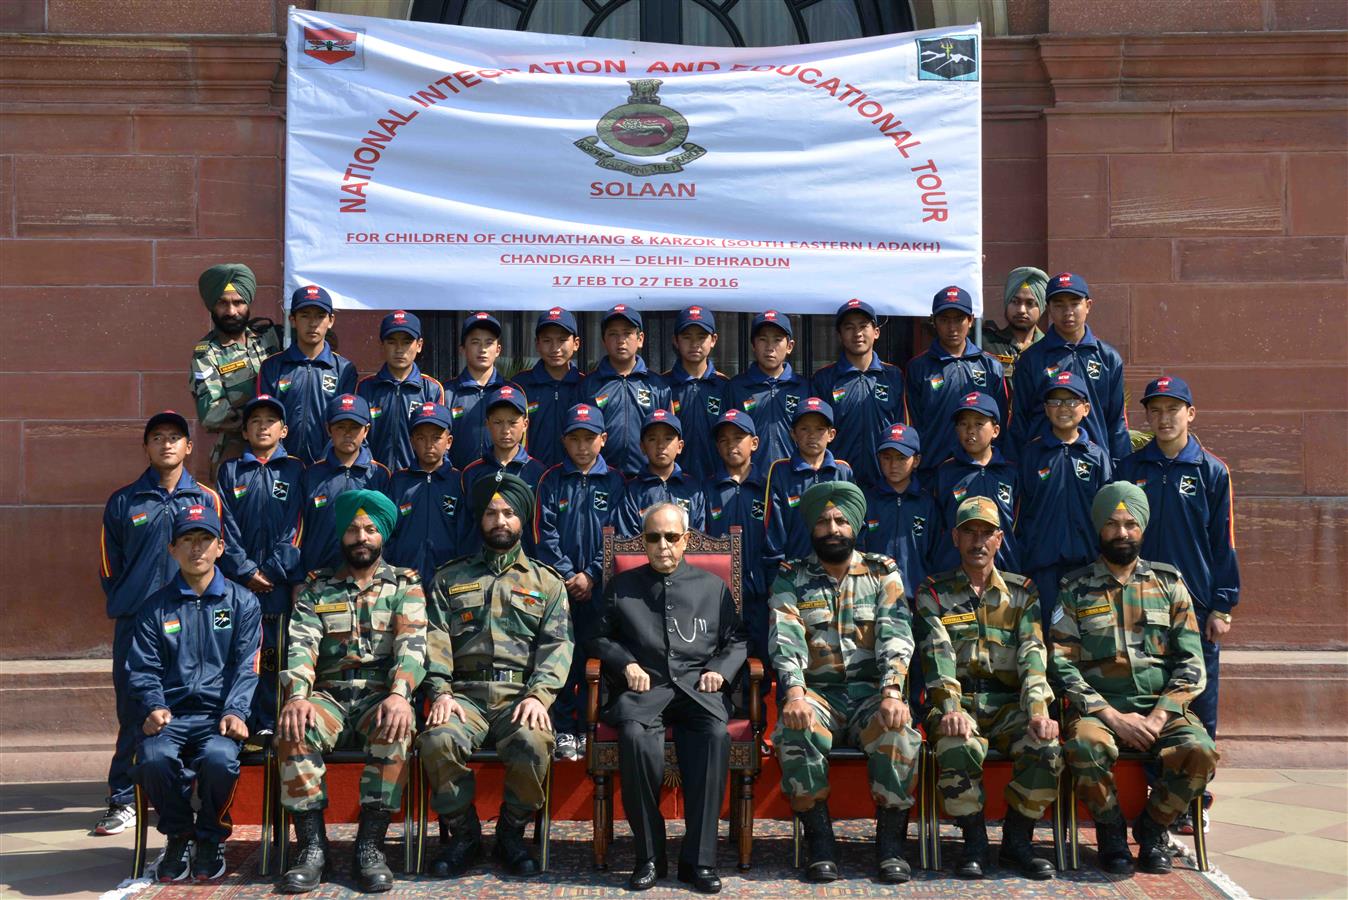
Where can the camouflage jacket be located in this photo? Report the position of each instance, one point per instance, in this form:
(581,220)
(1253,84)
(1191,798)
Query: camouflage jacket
(1000,343)
(974,649)
(224,376)
(826,633)
(1131,646)
(500,627)
(343,635)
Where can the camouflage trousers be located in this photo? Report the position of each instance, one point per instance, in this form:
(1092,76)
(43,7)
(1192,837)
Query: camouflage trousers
(1035,763)
(444,752)
(847,717)
(343,723)
(1187,756)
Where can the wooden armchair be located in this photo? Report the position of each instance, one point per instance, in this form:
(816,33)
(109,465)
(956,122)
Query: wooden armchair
(723,557)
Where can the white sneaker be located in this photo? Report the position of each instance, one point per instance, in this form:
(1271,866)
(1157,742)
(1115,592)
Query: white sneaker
(118,818)
(580,747)
(566,746)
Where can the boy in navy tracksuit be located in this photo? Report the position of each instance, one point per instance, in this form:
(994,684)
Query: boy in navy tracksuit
(900,518)
(867,395)
(506,426)
(770,390)
(397,390)
(553,385)
(625,389)
(192,671)
(698,389)
(975,469)
(1192,527)
(663,480)
(811,463)
(1071,346)
(263,502)
(952,367)
(432,514)
(480,346)
(137,527)
(346,466)
(1061,469)
(307,375)
(577,499)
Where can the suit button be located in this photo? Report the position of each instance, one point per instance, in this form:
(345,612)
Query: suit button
(669,606)
(666,582)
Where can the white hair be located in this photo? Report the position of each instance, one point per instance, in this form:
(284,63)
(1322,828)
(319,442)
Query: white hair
(650,511)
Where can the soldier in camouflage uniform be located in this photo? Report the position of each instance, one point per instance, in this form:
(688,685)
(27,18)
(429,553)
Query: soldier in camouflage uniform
(1025,300)
(982,648)
(226,361)
(500,648)
(1126,654)
(840,639)
(357,653)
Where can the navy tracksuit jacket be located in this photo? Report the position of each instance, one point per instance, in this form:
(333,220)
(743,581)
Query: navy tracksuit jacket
(391,405)
(320,544)
(463,397)
(521,465)
(432,517)
(771,402)
(1098,364)
(787,536)
(937,381)
(959,477)
(698,402)
(647,489)
(305,387)
(548,400)
(730,502)
(864,405)
(626,401)
(903,527)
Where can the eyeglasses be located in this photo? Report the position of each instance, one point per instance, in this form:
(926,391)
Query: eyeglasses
(1072,402)
(669,537)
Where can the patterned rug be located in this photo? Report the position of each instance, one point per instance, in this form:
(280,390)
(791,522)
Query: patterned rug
(570,874)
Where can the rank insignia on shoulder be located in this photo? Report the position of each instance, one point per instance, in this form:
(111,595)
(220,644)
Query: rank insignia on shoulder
(201,348)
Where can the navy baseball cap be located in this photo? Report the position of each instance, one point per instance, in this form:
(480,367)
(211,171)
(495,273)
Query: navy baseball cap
(479,320)
(1068,283)
(979,402)
(662,417)
(400,321)
(813,405)
(430,414)
(264,400)
(562,318)
(772,317)
(1169,386)
(854,305)
(739,418)
(167,417)
(349,408)
(198,517)
(621,311)
(310,295)
(952,297)
(507,395)
(903,438)
(699,316)
(1066,381)
(584,416)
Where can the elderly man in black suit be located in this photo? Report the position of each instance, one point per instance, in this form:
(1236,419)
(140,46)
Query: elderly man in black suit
(670,638)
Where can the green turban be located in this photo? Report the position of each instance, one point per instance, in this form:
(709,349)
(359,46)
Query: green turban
(1120,493)
(513,489)
(842,494)
(214,280)
(1026,276)
(377,506)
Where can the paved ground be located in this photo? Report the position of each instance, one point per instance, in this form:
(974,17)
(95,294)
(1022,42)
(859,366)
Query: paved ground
(1275,833)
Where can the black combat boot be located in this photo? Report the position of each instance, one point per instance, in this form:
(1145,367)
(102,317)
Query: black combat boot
(891,833)
(821,855)
(1018,848)
(368,865)
(464,848)
(1153,842)
(1111,840)
(511,850)
(974,854)
(311,853)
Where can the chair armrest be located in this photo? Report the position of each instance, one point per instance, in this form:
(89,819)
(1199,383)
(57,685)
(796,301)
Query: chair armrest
(592,691)
(755,698)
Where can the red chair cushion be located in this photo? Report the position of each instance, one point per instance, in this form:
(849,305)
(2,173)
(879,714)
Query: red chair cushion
(741,730)
(716,563)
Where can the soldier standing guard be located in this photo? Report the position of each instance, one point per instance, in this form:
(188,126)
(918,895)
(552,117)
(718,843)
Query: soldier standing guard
(983,652)
(357,652)
(226,361)
(500,649)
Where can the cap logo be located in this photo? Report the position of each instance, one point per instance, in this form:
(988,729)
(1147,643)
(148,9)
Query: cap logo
(897,431)
(196,512)
(480,315)
(400,316)
(507,392)
(1064,279)
(853,303)
(658,414)
(971,398)
(621,307)
(555,312)
(733,414)
(1163,384)
(264,397)
(813,402)
(582,412)
(952,292)
(427,408)
(770,314)
(311,290)
(348,401)
(694,312)
(1063,377)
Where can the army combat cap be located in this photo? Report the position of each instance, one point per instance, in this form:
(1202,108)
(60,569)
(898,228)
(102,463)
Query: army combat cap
(562,318)
(584,417)
(1169,386)
(772,317)
(1068,283)
(695,317)
(978,509)
(1067,381)
(903,438)
(854,305)
(310,295)
(507,395)
(621,311)
(952,297)
(198,517)
(979,402)
(479,320)
(349,408)
(430,414)
(261,401)
(400,321)
(813,406)
(662,417)
(739,419)
(167,417)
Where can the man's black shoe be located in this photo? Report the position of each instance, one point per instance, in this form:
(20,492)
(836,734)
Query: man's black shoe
(643,877)
(703,878)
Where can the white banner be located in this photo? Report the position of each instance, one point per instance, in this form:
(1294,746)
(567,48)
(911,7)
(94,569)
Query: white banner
(442,167)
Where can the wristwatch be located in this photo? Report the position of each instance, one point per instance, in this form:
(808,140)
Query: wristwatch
(1224,616)
(891,693)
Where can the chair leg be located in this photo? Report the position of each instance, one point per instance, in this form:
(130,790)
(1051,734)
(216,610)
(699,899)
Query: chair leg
(543,826)
(283,844)
(423,816)
(1200,841)
(411,801)
(139,851)
(267,840)
(1067,804)
(932,802)
(745,834)
(795,840)
(598,829)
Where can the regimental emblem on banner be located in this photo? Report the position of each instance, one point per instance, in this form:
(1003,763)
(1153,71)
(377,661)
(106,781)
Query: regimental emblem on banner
(949,58)
(641,127)
(331,46)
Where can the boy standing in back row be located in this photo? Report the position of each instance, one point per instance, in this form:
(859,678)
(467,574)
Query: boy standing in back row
(397,390)
(770,390)
(624,389)
(698,389)
(553,385)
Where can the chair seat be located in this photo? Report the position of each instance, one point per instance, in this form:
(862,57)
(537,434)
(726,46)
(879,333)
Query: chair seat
(740,730)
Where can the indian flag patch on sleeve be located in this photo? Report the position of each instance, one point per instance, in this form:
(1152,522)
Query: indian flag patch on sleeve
(283,385)
(563,503)
(139,519)
(455,412)
(1044,473)
(793,501)
(959,493)
(173,626)
(678,405)
(533,407)
(872,524)
(240,490)
(839,393)
(320,501)
(404,508)
(375,411)
(601,401)
(716,512)
(750,403)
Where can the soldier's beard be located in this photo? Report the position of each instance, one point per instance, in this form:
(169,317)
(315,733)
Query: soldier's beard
(501,538)
(1121,552)
(833,548)
(230,325)
(360,556)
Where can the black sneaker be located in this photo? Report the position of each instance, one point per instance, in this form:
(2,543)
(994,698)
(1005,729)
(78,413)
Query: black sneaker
(210,861)
(176,860)
(118,818)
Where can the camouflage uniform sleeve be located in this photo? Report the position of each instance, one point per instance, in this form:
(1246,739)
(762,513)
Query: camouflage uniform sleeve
(1066,655)
(1188,676)
(555,647)
(303,635)
(439,646)
(208,387)
(893,630)
(939,667)
(409,638)
(1032,657)
(786,633)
